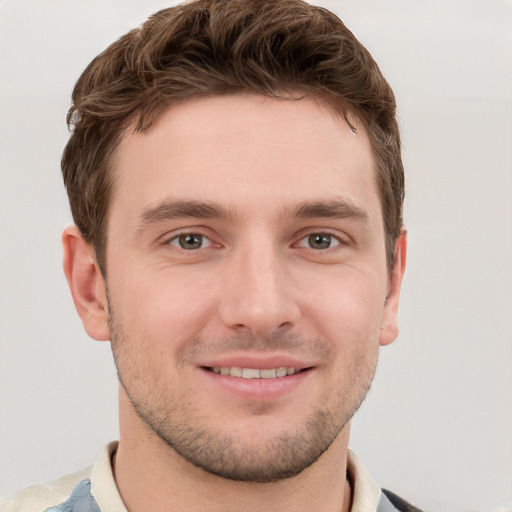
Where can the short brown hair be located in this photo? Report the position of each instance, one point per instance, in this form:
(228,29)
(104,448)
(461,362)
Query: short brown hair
(215,47)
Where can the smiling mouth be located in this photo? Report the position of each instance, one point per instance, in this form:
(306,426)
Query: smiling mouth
(255,373)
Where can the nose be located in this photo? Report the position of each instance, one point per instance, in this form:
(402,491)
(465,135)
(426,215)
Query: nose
(258,295)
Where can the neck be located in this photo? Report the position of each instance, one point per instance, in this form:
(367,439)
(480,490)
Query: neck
(150,475)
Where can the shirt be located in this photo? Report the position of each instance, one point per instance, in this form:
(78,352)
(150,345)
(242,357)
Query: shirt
(94,490)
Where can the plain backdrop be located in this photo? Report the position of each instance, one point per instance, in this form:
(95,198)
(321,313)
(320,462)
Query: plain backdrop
(437,425)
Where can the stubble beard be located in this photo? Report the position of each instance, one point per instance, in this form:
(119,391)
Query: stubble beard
(228,454)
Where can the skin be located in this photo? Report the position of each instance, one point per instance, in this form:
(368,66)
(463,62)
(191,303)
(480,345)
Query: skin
(255,184)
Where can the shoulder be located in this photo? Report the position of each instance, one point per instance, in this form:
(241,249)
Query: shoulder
(367,495)
(399,503)
(38,498)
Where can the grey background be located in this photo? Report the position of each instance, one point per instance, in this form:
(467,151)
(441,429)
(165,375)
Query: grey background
(437,426)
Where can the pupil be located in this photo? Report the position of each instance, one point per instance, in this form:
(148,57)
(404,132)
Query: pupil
(320,241)
(190,241)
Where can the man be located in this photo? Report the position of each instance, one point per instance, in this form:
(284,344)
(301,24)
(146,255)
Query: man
(235,178)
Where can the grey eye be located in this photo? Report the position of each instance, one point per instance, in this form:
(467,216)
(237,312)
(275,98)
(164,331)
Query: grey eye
(319,240)
(189,241)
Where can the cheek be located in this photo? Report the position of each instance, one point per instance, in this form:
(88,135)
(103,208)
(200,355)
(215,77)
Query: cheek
(160,307)
(347,308)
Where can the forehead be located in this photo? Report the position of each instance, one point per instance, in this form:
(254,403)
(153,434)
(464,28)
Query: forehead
(237,148)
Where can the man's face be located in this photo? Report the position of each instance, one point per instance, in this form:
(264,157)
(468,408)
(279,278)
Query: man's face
(246,240)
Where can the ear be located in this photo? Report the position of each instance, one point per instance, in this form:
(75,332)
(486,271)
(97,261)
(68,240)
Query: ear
(389,328)
(86,284)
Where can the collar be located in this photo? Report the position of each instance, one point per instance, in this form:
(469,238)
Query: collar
(366,494)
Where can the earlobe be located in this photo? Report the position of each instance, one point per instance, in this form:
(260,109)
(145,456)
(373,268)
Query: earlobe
(389,328)
(86,284)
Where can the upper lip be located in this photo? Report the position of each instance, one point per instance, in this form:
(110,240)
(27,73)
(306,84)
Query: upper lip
(258,361)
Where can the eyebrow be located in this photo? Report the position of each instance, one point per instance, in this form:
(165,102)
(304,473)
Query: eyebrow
(176,209)
(340,209)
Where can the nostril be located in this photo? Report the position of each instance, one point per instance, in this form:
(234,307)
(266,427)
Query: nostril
(258,314)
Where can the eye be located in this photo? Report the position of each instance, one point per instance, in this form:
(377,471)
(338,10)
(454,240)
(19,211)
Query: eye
(190,241)
(319,241)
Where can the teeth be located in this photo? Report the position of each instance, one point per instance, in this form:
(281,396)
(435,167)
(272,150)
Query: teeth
(235,371)
(254,373)
(281,372)
(250,373)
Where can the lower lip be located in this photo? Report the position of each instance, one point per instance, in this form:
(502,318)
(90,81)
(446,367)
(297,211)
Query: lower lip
(257,389)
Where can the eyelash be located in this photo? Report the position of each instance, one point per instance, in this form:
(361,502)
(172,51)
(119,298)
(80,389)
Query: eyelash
(308,239)
(305,241)
(177,239)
